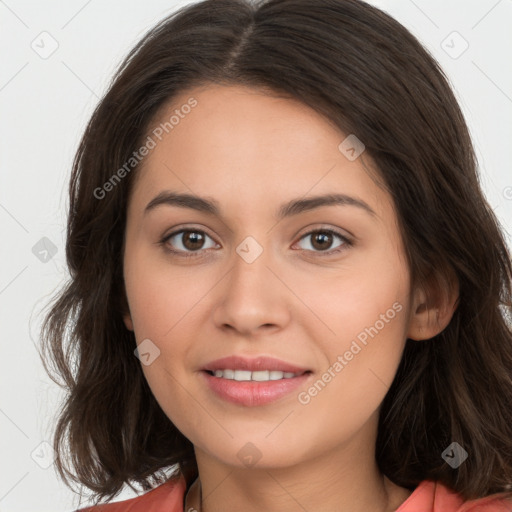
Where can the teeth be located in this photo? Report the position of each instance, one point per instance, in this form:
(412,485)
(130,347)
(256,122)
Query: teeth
(242,375)
(260,376)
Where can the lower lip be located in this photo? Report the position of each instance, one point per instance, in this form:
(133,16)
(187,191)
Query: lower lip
(252,393)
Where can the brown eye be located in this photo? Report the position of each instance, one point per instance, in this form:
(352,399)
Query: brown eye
(187,240)
(322,241)
(192,240)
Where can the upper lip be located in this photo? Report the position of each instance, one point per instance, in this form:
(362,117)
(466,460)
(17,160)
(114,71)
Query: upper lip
(254,364)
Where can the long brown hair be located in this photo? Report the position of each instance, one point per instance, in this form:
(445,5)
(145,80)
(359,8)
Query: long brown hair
(369,76)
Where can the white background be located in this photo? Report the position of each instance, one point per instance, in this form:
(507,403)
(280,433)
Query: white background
(45,104)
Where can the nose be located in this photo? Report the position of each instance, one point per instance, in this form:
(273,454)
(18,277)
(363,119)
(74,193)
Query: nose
(252,298)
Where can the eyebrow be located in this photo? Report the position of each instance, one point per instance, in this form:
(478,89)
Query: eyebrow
(294,207)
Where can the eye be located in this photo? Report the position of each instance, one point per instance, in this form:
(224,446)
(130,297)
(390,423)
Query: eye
(322,240)
(187,241)
(190,242)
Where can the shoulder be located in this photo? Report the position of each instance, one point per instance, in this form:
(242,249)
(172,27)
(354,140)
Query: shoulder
(167,497)
(430,496)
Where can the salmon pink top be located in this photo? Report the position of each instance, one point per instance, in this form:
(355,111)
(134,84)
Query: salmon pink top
(429,496)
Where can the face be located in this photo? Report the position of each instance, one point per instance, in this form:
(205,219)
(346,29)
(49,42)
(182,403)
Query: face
(323,287)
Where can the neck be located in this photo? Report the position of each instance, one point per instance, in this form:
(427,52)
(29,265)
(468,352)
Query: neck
(346,479)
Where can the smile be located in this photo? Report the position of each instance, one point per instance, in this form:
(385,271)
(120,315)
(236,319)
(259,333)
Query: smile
(256,388)
(260,376)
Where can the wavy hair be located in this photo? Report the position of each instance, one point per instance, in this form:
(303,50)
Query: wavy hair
(369,76)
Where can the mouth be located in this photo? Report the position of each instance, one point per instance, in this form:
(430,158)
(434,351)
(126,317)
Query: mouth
(256,376)
(240,365)
(253,381)
(254,388)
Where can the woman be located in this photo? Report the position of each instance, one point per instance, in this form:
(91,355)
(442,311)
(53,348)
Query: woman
(287,288)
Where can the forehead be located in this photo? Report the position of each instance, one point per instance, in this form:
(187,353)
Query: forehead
(249,146)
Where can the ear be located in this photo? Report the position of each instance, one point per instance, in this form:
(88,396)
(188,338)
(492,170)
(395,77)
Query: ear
(433,307)
(124,309)
(128,321)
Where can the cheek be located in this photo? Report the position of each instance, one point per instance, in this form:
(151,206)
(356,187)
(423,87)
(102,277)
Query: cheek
(361,362)
(348,301)
(161,306)
(362,334)
(162,296)
(165,307)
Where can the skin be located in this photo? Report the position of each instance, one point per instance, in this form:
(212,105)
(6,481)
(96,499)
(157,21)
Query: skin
(252,152)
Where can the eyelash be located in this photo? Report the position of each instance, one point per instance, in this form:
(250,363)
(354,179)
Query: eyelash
(195,254)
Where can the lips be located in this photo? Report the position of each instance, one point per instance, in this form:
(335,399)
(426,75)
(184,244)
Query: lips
(252,393)
(253,382)
(256,364)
